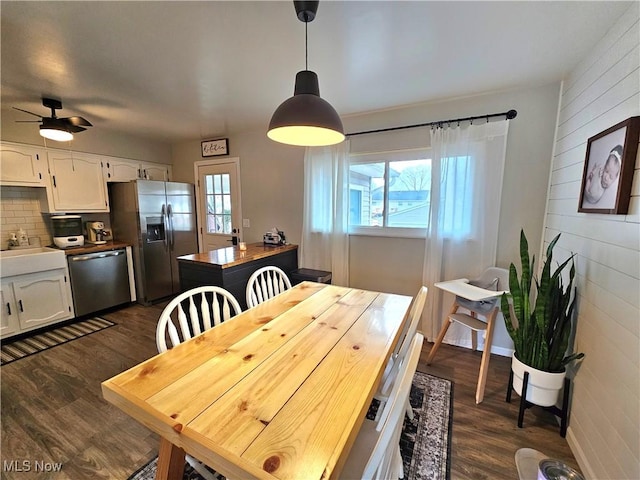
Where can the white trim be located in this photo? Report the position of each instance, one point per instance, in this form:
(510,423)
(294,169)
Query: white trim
(235,161)
(583,460)
(502,351)
(541,251)
(391,232)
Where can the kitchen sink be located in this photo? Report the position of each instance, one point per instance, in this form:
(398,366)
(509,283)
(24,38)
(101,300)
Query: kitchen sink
(30,260)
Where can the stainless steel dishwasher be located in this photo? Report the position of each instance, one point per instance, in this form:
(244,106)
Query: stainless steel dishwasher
(99,280)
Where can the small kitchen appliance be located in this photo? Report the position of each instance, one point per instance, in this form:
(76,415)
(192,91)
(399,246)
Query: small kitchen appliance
(96,233)
(274,237)
(67,231)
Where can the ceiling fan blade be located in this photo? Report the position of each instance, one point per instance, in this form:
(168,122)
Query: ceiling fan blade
(28,121)
(74,129)
(76,121)
(27,111)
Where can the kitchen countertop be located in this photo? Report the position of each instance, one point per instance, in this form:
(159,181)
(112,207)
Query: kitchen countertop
(231,256)
(91,248)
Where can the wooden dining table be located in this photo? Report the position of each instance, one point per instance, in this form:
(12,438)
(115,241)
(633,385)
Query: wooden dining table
(277,392)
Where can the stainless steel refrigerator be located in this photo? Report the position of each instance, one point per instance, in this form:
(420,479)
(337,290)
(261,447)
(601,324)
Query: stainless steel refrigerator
(159,220)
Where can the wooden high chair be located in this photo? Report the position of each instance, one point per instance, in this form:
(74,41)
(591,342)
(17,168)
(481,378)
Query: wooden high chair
(479,297)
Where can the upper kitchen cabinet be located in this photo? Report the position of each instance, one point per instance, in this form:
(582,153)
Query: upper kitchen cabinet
(22,166)
(77,183)
(156,171)
(123,170)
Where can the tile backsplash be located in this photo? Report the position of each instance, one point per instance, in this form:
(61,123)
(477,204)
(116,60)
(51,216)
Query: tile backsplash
(20,208)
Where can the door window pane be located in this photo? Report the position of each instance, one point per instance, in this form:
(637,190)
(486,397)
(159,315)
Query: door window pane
(218,195)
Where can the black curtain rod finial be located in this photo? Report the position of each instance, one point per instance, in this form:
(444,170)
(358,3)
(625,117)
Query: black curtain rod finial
(511,114)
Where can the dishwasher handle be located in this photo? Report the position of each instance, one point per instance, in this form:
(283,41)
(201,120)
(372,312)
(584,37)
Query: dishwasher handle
(93,256)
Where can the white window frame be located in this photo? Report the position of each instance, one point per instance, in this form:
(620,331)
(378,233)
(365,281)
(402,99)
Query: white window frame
(386,158)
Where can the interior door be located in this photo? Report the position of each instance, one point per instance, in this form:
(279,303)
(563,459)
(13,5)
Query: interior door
(218,202)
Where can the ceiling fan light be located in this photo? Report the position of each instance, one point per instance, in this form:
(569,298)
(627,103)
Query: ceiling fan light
(306,119)
(56,134)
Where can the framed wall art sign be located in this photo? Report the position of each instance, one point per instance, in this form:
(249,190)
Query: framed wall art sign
(608,169)
(213,148)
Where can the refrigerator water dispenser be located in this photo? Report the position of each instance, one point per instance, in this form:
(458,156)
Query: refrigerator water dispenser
(155,230)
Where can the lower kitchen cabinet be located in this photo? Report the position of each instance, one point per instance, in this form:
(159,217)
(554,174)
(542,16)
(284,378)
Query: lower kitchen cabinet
(34,300)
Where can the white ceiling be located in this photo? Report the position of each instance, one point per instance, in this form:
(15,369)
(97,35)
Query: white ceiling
(177,71)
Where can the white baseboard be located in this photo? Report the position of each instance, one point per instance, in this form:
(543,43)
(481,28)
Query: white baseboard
(581,458)
(503,352)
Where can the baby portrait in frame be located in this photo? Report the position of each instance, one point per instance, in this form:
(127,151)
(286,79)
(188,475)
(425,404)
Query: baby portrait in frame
(608,169)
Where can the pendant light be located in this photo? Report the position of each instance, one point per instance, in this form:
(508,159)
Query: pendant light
(306,119)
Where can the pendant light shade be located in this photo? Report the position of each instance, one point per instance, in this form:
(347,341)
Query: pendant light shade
(306,119)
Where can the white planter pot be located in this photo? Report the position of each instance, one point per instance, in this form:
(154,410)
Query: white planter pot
(543,388)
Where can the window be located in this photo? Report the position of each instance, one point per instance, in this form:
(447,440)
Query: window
(389,193)
(218,196)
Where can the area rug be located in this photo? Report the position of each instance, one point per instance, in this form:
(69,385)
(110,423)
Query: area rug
(425,444)
(26,346)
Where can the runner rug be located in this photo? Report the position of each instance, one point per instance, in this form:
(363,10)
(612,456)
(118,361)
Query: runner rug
(425,444)
(26,346)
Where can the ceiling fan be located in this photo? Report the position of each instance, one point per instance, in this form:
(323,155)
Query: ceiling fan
(54,127)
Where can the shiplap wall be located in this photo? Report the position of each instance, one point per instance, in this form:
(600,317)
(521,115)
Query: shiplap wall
(604,89)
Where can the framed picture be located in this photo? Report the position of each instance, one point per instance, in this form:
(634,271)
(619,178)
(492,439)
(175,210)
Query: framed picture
(608,169)
(213,148)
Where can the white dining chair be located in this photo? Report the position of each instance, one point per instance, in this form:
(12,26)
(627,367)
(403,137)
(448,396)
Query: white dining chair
(192,312)
(409,329)
(266,283)
(206,307)
(375,453)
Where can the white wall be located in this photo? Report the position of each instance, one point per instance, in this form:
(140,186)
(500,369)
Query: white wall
(604,429)
(94,140)
(272,184)
(271,175)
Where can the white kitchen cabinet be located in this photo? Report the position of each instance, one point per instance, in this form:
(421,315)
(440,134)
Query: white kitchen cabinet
(34,300)
(77,183)
(22,166)
(9,323)
(156,171)
(121,170)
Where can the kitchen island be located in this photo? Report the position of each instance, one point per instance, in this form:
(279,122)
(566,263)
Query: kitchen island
(230,267)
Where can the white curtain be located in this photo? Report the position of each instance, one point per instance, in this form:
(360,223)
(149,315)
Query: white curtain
(462,235)
(325,240)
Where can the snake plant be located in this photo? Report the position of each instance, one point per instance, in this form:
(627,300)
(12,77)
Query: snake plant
(539,319)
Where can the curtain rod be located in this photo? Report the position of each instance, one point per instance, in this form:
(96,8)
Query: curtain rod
(511,114)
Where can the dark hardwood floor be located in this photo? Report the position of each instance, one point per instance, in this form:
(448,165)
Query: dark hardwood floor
(52,410)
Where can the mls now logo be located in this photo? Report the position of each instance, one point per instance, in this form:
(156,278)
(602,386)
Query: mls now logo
(29,466)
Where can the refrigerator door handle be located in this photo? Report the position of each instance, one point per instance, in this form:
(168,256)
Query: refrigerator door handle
(172,239)
(166,227)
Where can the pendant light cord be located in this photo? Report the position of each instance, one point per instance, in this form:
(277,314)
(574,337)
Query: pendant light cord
(306,45)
